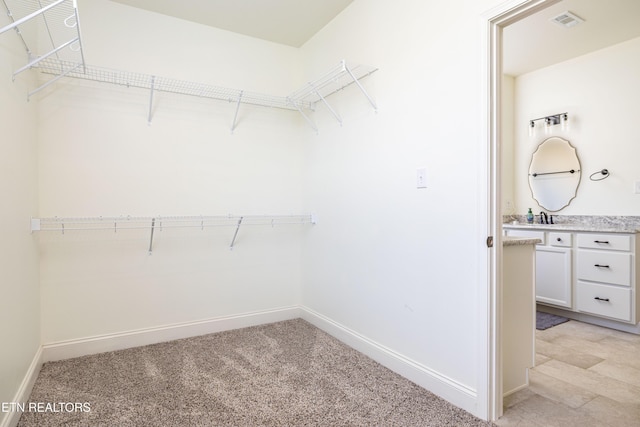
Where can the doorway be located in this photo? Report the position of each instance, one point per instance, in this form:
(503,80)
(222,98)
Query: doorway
(496,20)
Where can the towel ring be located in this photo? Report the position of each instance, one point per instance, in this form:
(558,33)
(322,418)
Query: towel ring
(605,174)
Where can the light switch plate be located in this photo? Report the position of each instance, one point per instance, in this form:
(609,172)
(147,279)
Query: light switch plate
(637,187)
(421,178)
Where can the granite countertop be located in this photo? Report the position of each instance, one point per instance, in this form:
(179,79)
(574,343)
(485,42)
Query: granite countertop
(599,228)
(519,241)
(586,223)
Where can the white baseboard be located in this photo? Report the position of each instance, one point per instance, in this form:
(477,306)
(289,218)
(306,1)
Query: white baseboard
(447,388)
(24,391)
(122,340)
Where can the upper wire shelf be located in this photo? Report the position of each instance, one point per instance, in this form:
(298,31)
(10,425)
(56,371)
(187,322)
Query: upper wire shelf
(301,100)
(60,23)
(163,84)
(57,25)
(333,81)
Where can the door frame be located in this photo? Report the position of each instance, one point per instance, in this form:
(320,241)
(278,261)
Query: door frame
(490,401)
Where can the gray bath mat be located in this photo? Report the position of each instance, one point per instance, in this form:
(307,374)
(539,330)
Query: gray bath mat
(546,320)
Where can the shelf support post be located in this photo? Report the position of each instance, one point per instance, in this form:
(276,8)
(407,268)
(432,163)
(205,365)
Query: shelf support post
(373,104)
(153,82)
(299,108)
(335,114)
(153,227)
(235,117)
(236,233)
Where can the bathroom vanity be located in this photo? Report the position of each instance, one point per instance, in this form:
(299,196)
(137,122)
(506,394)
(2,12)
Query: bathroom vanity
(587,271)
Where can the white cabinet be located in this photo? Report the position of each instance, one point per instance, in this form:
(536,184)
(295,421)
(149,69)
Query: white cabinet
(553,266)
(605,269)
(553,276)
(587,275)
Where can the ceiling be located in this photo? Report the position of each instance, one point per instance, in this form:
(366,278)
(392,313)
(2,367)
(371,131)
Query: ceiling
(529,44)
(536,42)
(288,22)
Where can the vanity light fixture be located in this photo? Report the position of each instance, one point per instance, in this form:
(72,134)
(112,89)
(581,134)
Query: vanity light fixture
(549,121)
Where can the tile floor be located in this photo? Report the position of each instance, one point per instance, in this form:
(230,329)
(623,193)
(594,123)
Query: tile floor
(585,376)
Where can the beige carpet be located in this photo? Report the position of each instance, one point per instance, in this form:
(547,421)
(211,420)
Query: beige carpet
(282,374)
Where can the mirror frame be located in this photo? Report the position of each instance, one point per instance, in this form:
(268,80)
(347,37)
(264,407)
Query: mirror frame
(532,174)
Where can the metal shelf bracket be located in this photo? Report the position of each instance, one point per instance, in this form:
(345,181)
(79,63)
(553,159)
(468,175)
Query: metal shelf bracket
(235,117)
(153,227)
(236,233)
(151,89)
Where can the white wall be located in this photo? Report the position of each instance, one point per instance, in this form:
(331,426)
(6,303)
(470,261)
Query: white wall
(600,92)
(98,156)
(393,263)
(20,299)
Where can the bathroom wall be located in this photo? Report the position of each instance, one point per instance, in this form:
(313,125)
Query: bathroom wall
(600,92)
(507,145)
(20,298)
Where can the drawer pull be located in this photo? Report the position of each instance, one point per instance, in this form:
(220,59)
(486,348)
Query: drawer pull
(602,299)
(559,239)
(606,242)
(601,266)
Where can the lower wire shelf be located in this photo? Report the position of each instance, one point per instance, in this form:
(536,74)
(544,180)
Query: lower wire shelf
(153,223)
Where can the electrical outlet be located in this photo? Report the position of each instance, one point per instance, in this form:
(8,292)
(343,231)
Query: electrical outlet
(421,178)
(637,187)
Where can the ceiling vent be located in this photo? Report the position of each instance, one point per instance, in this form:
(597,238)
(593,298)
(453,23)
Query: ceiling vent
(567,20)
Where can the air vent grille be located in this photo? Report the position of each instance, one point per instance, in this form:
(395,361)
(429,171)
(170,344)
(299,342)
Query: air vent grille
(567,19)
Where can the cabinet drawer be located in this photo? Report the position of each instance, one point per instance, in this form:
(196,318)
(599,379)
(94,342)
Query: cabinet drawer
(560,239)
(604,300)
(607,267)
(527,233)
(617,242)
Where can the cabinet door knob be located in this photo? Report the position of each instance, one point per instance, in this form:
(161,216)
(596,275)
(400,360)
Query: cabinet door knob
(559,239)
(602,299)
(600,266)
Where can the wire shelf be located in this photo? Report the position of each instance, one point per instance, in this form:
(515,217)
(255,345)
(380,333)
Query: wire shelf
(61,24)
(63,225)
(303,98)
(334,81)
(56,21)
(153,223)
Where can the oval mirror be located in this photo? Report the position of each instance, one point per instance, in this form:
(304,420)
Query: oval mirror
(554,174)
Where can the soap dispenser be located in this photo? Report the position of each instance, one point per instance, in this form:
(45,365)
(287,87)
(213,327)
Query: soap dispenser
(529,217)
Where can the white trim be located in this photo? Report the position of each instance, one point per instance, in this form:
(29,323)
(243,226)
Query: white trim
(449,389)
(24,391)
(118,341)
(490,396)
